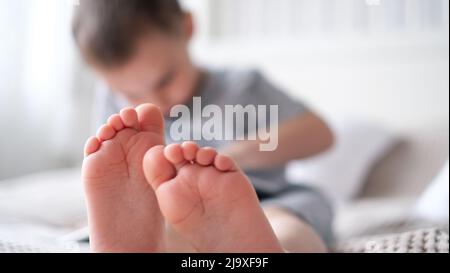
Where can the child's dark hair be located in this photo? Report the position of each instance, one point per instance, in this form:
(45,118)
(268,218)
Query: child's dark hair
(107,30)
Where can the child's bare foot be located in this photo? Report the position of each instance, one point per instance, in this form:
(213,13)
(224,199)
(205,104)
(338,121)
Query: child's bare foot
(122,209)
(210,202)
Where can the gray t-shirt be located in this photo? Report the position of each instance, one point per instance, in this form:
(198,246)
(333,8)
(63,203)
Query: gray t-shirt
(226,87)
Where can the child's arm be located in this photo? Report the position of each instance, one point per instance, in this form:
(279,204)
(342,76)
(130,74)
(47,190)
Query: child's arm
(300,137)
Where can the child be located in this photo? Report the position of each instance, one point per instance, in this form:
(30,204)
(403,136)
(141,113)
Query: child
(143,196)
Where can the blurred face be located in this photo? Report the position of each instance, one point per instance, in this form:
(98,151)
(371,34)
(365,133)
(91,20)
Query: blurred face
(159,72)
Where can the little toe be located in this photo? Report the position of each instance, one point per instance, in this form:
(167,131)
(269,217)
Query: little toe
(105,132)
(129,118)
(115,121)
(174,153)
(92,145)
(224,163)
(205,156)
(190,150)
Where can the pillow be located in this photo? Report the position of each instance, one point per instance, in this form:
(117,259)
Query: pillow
(340,172)
(433,204)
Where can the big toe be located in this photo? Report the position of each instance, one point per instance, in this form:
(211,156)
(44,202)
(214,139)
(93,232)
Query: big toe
(157,169)
(150,119)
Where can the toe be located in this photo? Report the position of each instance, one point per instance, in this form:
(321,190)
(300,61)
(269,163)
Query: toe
(205,156)
(157,168)
(105,132)
(190,150)
(115,121)
(129,118)
(224,163)
(150,118)
(174,153)
(92,145)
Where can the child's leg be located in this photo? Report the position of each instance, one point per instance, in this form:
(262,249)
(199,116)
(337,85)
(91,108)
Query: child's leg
(293,233)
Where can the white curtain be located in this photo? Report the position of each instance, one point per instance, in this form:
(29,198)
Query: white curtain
(41,101)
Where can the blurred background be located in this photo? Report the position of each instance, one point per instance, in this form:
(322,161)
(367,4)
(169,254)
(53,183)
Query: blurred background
(387,60)
(381,61)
